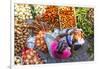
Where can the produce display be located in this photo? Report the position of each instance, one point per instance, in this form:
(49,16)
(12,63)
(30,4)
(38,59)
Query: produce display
(67,17)
(51,16)
(21,35)
(37,26)
(39,10)
(60,17)
(40,42)
(83,21)
(22,11)
(30,56)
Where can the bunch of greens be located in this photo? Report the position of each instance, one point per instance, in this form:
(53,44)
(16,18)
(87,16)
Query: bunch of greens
(83,22)
(37,10)
(33,11)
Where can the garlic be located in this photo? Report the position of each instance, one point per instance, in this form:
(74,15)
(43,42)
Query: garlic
(23,11)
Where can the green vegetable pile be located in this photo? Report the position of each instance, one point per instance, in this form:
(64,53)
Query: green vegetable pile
(84,22)
(37,10)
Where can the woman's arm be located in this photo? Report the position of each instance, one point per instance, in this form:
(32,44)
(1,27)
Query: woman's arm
(60,36)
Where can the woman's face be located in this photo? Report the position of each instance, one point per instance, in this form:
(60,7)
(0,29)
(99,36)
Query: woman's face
(77,35)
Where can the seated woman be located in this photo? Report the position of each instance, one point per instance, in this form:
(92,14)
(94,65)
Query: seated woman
(58,48)
(63,49)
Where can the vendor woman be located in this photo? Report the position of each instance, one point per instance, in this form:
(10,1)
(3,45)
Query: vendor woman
(57,46)
(62,46)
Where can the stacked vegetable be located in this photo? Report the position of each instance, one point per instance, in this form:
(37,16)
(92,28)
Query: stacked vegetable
(51,16)
(30,56)
(67,17)
(21,35)
(60,17)
(83,22)
(40,42)
(39,10)
(23,11)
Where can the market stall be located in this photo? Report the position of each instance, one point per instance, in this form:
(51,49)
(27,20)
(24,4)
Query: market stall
(38,28)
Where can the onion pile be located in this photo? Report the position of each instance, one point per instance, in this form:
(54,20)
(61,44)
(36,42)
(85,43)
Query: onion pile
(23,11)
(40,42)
(21,35)
(30,56)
